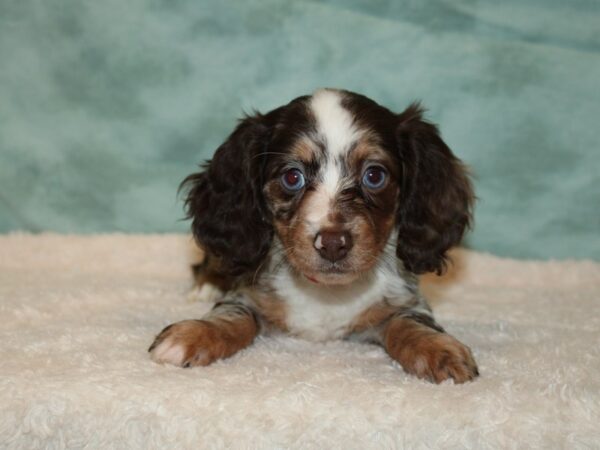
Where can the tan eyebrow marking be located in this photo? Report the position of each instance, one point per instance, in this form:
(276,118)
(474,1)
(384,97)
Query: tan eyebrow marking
(303,150)
(364,150)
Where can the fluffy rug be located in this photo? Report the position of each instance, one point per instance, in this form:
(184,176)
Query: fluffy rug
(78,314)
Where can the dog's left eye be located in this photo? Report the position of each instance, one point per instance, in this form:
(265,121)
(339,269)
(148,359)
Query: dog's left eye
(293,180)
(374,177)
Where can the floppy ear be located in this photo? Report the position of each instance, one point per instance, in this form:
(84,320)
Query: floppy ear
(225,202)
(436,195)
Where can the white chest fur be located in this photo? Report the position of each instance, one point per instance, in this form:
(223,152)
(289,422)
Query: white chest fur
(318,312)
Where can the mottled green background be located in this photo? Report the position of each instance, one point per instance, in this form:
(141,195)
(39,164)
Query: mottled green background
(106,105)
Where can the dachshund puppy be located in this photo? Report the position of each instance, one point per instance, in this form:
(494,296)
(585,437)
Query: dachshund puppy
(316,219)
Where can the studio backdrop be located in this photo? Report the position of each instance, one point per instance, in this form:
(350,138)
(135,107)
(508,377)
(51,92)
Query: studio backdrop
(106,106)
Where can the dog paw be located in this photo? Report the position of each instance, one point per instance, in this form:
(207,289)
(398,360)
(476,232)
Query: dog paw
(437,357)
(187,344)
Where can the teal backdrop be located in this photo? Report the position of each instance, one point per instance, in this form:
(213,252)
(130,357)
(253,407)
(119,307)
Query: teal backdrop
(106,105)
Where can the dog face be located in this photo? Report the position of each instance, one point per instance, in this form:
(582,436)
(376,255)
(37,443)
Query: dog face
(331,190)
(331,178)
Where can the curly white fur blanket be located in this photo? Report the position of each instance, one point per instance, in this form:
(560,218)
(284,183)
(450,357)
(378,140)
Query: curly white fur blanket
(78,313)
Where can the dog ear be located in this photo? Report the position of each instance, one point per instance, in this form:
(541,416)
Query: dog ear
(436,195)
(225,202)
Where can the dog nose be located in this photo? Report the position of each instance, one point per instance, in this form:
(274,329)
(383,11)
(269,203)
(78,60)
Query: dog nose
(333,245)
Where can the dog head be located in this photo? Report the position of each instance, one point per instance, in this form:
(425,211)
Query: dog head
(331,177)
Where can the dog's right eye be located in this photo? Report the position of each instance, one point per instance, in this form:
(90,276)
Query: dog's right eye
(293,180)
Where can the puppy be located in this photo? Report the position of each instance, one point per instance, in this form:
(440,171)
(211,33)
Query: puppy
(316,219)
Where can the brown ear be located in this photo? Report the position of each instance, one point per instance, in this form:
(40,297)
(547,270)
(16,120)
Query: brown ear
(225,201)
(436,195)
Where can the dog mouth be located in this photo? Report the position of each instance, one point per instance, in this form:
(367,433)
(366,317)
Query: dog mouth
(331,278)
(331,274)
(318,270)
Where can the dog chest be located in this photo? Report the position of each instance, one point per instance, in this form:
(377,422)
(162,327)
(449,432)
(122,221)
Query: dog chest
(319,313)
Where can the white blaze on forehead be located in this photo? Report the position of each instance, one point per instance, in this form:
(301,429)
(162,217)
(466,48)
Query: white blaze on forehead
(335,128)
(334,122)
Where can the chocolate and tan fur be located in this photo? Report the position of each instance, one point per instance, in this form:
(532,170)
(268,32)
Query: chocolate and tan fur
(316,218)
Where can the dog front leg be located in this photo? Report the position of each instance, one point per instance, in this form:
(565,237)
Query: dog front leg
(414,339)
(227,329)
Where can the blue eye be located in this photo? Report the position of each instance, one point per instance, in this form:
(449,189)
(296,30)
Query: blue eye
(374,177)
(293,180)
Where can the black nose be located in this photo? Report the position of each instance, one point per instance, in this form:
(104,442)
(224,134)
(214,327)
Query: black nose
(333,245)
